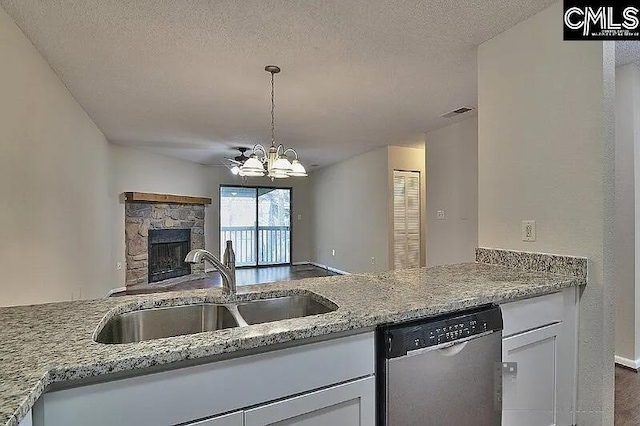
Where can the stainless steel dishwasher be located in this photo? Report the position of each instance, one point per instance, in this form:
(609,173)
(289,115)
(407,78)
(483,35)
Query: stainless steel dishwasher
(442,371)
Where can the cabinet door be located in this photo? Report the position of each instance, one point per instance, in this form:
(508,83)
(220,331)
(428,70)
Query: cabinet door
(348,404)
(530,387)
(233,419)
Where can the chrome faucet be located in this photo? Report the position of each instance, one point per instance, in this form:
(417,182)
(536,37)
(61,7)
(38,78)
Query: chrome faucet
(227,267)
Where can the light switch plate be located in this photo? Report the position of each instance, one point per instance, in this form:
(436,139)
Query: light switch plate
(528,230)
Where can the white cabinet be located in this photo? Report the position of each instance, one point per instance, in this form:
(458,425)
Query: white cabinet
(233,419)
(199,393)
(530,390)
(348,404)
(539,351)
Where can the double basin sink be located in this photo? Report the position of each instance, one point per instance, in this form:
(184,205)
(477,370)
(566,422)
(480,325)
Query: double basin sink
(148,324)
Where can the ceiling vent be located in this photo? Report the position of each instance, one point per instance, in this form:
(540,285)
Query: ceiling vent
(456,112)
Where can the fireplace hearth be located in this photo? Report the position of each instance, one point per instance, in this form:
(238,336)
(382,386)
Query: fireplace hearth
(167,250)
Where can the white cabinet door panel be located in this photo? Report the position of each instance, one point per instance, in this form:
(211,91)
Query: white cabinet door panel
(348,404)
(530,392)
(233,419)
(27,421)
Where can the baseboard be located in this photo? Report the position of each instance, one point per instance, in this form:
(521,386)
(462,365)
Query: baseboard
(116,290)
(629,363)
(305,262)
(329,268)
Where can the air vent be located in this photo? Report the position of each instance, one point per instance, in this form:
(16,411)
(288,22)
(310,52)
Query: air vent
(456,112)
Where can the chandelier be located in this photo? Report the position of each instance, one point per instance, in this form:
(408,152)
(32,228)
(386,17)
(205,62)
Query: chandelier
(272,162)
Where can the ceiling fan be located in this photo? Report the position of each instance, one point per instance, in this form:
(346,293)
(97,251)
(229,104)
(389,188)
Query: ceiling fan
(234,164)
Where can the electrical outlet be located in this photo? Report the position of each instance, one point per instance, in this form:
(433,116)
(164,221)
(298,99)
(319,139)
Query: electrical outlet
(528,230)
(333,252)
(373,260)
(119,266)
(441,215)
(299,217)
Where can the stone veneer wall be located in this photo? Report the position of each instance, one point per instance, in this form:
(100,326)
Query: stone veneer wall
(140,217)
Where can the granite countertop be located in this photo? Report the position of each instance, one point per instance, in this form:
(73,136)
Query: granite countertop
(53,343)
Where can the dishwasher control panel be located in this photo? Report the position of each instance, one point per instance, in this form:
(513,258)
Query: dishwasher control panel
(403,338)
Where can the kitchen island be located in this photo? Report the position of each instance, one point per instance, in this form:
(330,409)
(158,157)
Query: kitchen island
(45,346)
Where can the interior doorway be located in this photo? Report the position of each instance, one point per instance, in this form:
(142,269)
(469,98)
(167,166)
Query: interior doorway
(258,221)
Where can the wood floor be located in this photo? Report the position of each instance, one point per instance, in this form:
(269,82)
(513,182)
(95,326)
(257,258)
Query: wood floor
(627,405)
(244,276)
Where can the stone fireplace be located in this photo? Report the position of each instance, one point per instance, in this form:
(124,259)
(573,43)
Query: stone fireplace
(159,234)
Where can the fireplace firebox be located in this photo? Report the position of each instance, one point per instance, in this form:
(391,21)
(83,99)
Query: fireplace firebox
(167,250)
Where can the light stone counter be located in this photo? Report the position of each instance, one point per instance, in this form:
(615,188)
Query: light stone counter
(53,343)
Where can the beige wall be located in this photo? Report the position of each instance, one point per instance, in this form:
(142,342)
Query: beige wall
(546,141)
(408,159)
(452,173)
(53,183)
(353,209)
(627,217)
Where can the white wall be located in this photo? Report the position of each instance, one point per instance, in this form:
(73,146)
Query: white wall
(627,217)
(352,208)
(546,153)
(53,183)
(452,176)
(350,213)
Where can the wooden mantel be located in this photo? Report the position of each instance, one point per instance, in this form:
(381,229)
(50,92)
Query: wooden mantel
(142,197)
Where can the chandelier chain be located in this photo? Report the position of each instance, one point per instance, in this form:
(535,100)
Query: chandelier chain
(273,107)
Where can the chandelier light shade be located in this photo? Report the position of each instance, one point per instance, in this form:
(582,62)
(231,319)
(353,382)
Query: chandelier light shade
(273,162)
(297,169)
(252,167)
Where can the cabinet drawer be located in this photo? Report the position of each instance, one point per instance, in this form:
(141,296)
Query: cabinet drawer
(533,313)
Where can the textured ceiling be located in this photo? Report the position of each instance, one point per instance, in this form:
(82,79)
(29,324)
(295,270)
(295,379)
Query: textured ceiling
(185,78)
(627,52)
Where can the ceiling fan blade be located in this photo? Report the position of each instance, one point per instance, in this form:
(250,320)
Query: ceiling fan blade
(236,162)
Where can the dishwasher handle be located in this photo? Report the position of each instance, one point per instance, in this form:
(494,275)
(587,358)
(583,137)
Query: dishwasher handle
(448,349)
(454,349)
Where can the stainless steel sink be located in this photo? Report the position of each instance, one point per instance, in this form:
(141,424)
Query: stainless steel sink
(147,324)
(279,308)
(150,324)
